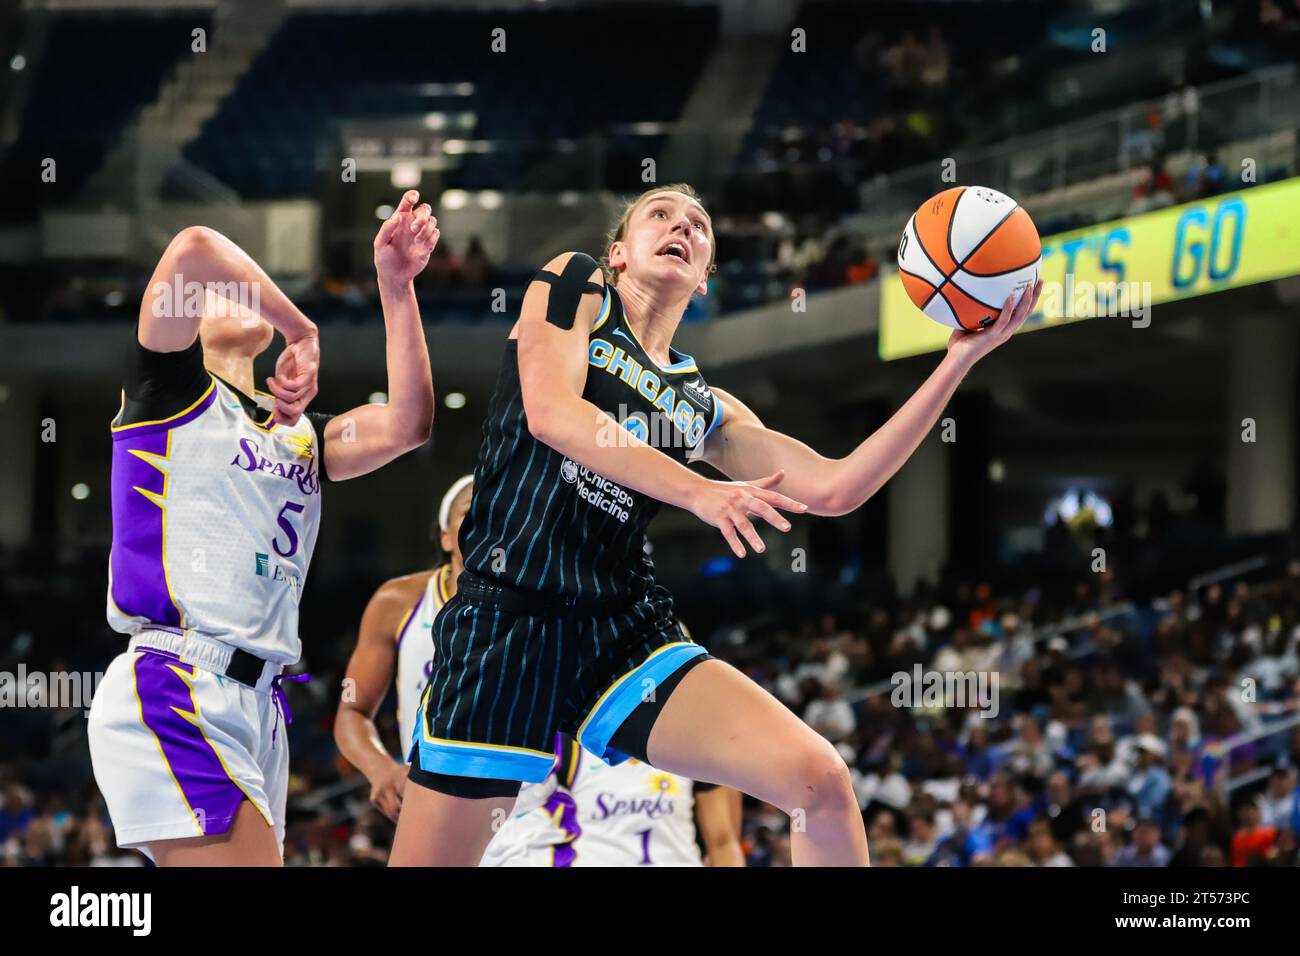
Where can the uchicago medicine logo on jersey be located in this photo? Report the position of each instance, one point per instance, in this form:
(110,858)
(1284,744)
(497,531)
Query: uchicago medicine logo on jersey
(597,490)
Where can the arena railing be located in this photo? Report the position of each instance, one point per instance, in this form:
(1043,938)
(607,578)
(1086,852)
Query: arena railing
(1189,120)
(1221,753)
(1225,573)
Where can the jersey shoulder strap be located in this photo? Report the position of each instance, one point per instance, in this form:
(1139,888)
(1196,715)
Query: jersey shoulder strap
(428,593)
(439,587)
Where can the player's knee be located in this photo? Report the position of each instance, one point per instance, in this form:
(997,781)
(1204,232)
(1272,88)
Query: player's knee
(823,786)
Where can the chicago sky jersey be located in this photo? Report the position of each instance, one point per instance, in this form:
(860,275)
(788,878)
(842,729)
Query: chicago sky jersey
(415,651)
(543,522)
(215,515)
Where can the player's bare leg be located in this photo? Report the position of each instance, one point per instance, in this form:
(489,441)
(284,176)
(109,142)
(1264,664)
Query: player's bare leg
(250,841)
(721,727)
(437,829)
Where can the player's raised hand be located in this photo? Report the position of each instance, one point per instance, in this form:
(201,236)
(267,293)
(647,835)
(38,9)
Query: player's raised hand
(293,385)
(972,346)
(728,506)
(405,240)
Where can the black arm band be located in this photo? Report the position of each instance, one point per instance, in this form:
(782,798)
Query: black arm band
(568,288)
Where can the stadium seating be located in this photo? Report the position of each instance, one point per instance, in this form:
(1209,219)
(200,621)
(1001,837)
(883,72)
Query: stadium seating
(583,70)
(75,116)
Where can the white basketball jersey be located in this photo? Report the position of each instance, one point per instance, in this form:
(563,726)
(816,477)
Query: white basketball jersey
(531,835)
(415,651)
(214,521)
(633,815)
(628,815)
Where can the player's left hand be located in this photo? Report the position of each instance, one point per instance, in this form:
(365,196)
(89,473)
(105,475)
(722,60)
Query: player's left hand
(970,347)
(405,241)
(293,385)
(386,792)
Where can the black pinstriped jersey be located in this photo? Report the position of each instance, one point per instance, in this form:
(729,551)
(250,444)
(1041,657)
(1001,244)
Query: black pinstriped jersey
(544,522)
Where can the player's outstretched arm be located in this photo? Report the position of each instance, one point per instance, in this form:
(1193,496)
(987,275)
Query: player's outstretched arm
(718,820)
(552,374)
(742,446)
(370,436)
(366,680)
(204,259)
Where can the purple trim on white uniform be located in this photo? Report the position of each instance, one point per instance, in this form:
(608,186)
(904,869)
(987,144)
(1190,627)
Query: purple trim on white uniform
(165,697)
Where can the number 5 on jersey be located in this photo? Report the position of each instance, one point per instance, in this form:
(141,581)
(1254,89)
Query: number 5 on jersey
(287,527)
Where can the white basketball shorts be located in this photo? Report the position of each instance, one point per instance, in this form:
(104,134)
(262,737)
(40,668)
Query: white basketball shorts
(176,748)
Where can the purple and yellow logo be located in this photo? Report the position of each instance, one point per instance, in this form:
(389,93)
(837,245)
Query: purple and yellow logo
(305,476)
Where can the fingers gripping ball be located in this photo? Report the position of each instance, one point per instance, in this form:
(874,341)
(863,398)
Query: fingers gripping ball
(964,251)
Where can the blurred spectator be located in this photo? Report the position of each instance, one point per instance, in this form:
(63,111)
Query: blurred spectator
(935,61)
(1279,806)
(15,812)
(1154,189)
(905,60)
(1145,144)
(1253,840)
(862,267)
(829,713)
(476,267)
(1043,848)
(441,272)
(1150,785)
(1205,177)
(1146,848)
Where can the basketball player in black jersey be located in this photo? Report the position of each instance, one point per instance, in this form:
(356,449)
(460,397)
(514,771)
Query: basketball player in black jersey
(558,623)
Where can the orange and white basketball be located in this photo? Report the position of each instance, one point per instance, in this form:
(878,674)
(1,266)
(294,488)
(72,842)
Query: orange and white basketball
(964,251)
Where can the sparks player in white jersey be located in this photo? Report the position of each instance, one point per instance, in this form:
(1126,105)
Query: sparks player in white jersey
(216,506)
(589,813)
(395,641)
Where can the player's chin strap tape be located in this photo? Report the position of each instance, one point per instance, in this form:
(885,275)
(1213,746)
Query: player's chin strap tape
(568,288)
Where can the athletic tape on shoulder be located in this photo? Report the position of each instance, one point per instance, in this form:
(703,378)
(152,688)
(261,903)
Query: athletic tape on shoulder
(568,288)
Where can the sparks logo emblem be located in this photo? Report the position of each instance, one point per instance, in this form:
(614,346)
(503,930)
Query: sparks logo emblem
(300,445)
(661,782)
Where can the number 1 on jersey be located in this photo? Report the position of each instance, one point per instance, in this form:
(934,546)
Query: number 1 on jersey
(645,848)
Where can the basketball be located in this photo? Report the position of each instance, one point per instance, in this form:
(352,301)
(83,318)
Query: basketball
(964,251)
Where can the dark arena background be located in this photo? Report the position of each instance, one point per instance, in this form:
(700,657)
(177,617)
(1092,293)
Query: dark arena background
(1102,526)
